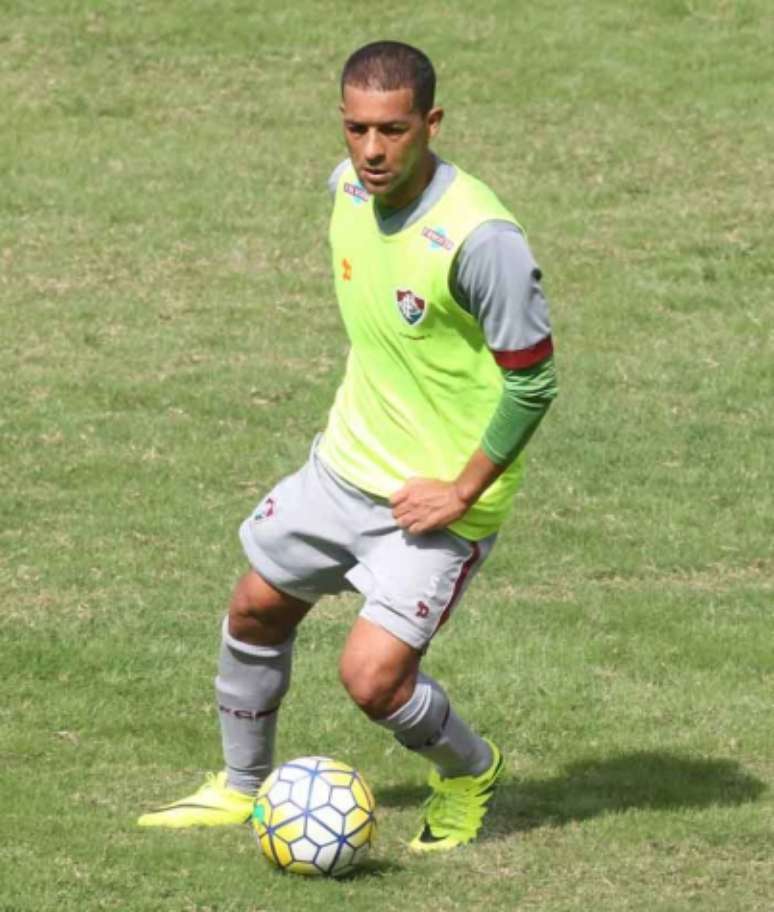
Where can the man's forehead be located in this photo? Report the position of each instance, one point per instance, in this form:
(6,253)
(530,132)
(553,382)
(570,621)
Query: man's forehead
(376,105)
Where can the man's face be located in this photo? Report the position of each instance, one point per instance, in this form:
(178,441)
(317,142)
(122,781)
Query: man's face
(388,142)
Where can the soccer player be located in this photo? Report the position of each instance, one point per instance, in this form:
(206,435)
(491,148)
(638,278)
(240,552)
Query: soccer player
(449,372)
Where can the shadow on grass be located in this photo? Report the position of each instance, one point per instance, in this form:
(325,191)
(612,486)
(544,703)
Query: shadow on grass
(371,867)
(651,780)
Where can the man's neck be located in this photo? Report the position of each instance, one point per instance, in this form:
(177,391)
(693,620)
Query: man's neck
(408,195)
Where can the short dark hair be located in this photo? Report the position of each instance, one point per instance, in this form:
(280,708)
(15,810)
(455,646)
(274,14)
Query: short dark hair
(389,65)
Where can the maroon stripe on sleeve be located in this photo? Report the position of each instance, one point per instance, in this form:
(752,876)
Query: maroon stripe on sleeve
(525,357)
(460,582)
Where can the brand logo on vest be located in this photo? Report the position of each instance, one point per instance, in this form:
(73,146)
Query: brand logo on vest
(412,308)
(357,192)
(437,238)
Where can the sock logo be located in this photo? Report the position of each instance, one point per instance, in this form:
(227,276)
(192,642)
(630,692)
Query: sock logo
(249,714)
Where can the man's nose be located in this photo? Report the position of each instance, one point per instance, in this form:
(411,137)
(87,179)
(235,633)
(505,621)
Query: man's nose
(374,149)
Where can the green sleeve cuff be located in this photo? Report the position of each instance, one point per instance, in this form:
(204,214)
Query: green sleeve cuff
(527,394)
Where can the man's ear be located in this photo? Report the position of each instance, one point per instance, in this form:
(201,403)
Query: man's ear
(433,121)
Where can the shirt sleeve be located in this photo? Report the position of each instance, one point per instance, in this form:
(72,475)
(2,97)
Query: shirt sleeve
(525,399)
(496,279)
(333,180)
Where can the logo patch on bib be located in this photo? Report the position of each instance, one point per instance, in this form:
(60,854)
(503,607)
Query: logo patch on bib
(356,192)
(437,238)
(412,308)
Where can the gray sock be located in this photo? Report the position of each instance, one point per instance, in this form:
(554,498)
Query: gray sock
(250,685)
(427,725)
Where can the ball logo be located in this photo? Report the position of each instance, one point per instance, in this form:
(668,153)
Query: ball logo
(410,306)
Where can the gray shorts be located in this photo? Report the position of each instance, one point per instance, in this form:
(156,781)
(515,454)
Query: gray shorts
(315,534)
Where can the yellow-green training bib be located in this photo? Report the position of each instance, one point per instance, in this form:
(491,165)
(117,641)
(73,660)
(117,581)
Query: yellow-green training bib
(420,384)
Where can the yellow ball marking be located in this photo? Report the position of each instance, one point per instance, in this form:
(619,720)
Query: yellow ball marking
(363,794)
(282,851)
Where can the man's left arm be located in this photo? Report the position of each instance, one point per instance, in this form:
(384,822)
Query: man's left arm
(497,281)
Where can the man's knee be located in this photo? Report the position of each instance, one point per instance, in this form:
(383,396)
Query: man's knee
(377,691)
(260,614)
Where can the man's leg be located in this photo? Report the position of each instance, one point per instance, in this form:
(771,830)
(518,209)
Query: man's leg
(253,676)
(381,674)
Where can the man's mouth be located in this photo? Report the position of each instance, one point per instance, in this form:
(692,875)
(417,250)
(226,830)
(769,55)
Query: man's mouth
(377,175)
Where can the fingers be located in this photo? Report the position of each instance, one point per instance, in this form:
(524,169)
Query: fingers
(404,516)
(407,509)
(416,526)
(400,495)
(417,519)
(409,516)
(422,505)
(402,509)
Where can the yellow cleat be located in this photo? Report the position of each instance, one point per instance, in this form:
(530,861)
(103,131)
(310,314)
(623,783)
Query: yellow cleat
(214,804)
(455,810)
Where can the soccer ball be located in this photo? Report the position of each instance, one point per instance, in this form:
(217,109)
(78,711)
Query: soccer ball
(314,815)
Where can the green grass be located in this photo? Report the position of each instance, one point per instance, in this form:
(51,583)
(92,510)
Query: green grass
(169,344)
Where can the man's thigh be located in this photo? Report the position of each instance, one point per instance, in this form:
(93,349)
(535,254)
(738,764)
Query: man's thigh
(298,538)
(412,583)
(315,534)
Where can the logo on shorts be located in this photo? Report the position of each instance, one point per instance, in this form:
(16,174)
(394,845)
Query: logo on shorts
(438,239)
(412,308)
(265,510)
(423,610)
(356,192)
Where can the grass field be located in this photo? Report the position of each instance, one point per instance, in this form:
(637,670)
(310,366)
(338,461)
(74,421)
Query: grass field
(170,343)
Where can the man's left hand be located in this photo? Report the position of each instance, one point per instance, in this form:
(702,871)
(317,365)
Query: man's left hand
(426,504)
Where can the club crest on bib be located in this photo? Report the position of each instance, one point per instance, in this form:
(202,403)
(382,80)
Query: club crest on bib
(412,308)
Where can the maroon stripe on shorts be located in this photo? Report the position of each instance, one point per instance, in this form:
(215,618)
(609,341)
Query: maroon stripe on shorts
(459,583)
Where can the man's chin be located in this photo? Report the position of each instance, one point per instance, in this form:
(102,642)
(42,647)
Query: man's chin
(377,186)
